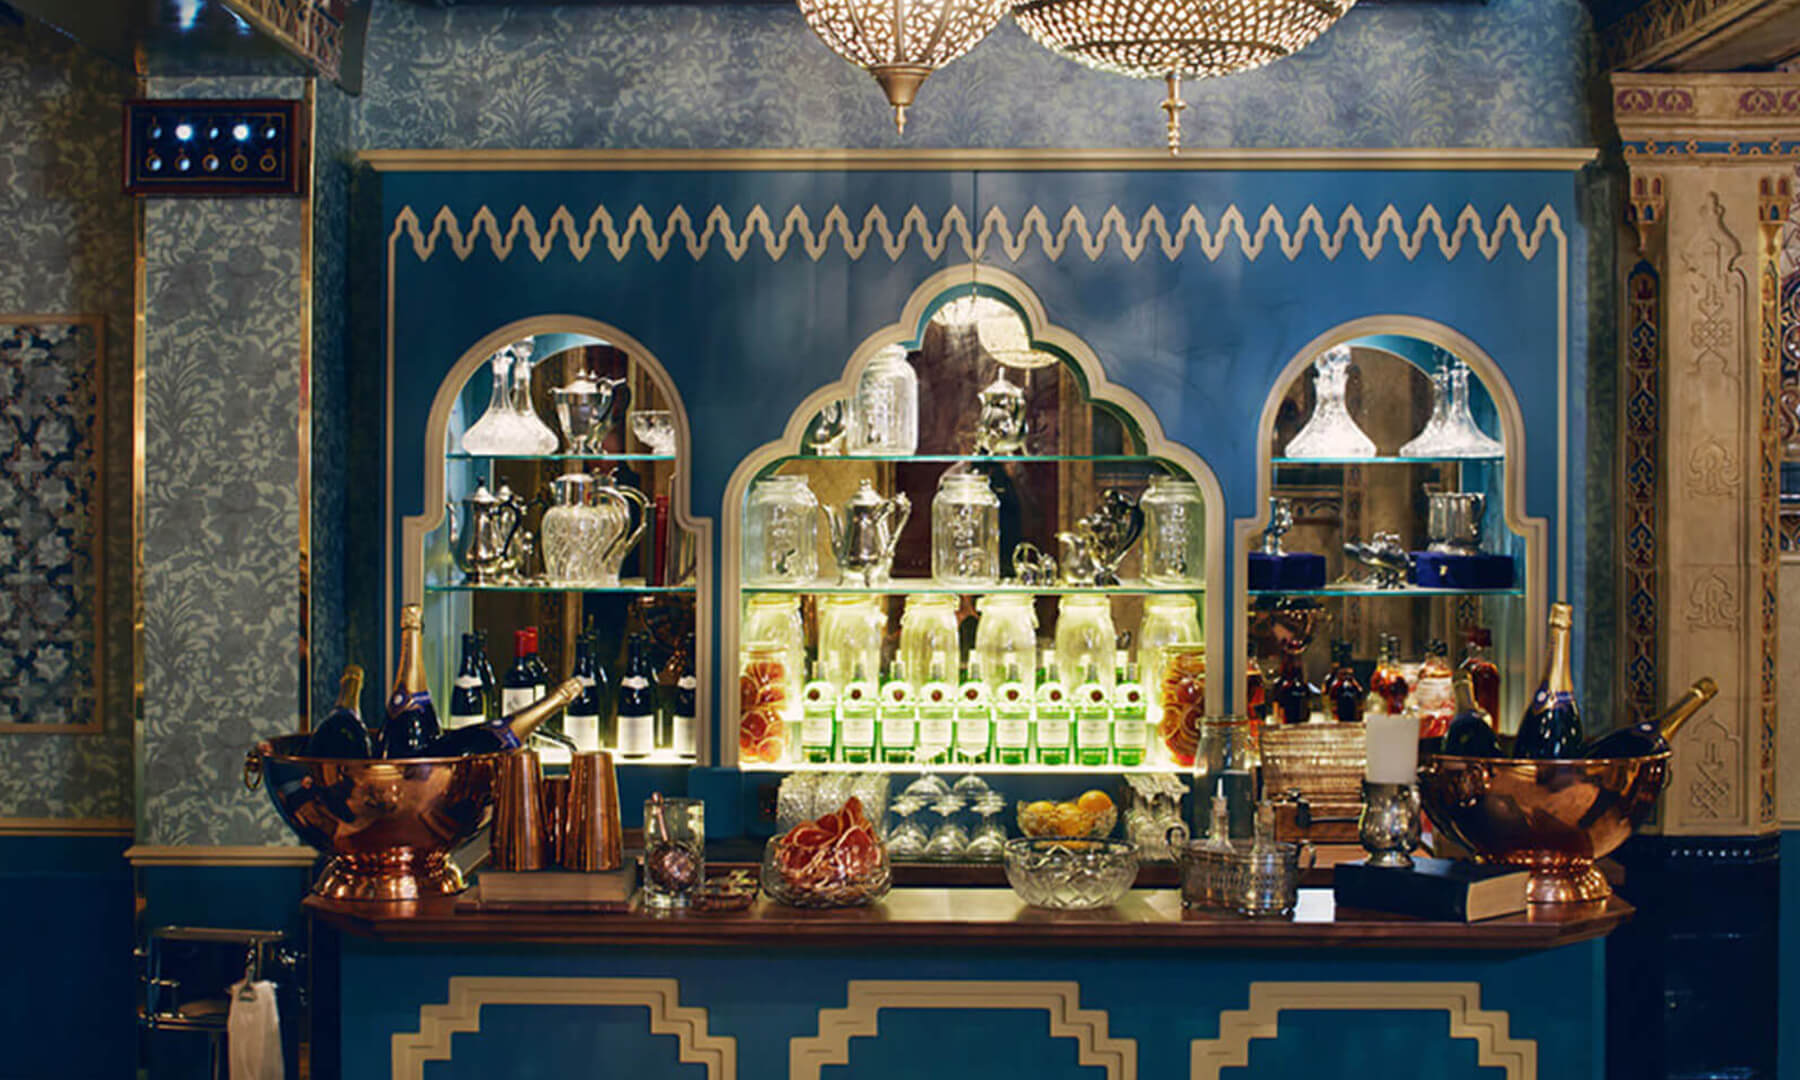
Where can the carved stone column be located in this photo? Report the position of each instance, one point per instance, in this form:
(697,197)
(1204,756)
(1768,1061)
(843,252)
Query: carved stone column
(1711,162)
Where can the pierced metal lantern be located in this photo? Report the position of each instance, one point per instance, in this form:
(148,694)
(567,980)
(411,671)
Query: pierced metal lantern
(900,42)
(1166,39)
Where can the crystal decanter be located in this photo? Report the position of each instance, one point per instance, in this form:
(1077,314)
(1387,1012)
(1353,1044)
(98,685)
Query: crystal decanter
(1330,432)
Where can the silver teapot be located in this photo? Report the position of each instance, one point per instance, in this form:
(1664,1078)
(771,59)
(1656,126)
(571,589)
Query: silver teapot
(484,528)
(1453,521)
(585,409)
(865,533)
(1093,550)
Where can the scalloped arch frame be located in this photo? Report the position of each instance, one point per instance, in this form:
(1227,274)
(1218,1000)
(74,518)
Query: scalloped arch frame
(924,301)
(414,527)
(1534,530)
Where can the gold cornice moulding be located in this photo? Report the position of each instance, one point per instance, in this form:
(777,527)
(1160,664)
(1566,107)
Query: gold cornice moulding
(220,855)
(1748,107)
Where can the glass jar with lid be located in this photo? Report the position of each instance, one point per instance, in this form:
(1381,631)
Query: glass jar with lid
(1006,638)
(965,530)
(850,632)
(1168,620)
(774,622)
(929,642)
(1085,640)
(781,532)
(1174,532)
(884,414)
(768,705)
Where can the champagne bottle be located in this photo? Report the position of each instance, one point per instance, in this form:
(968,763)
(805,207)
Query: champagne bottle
(412,722)
(582,722)
(499,736)
(1471,730)
(342,734)
(686,709)
(1343,693)
(468,700)
(1652,736)
(524,684)
(1552,724)
(637,700)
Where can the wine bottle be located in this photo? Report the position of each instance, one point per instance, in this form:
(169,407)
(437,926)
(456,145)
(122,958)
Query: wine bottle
(342,734)
(499,736)
(1343,693)
(468,701)
(1552,724)
(637,700)
(1471,730)
(412,721)
(668,686)
(1292,694)
(1652,736)
(490,686)
(582,722)
(1482,670)
(687,706)
(524,684)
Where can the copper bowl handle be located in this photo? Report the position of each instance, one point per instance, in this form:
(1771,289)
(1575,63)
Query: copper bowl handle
(253,766)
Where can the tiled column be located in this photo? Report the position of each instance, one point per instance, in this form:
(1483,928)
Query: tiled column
(1711,175)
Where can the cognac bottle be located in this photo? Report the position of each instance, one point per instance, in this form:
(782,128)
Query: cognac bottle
(1343,694)
(1482,671)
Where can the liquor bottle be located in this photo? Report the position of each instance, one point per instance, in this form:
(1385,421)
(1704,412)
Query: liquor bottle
(1292,695)
(1093,719)
(1652,736)
(582,724)
(668,686)
(856,715)
(523,684)
(490,685)
(899,718)
(1388,683)
(818,717)
(637,700)
(1256,691)
(468,700)
(1433,695)
(412,722)
(1343,694)
(1050,722)
(1482,670)
(1131,718)
(974,718)
(499,736)
(1012,717)
(1552,724)
(1471,731)
(342,733)
(686,709)
(937,716)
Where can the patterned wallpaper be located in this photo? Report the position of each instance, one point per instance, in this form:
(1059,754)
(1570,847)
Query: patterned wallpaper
(68,244)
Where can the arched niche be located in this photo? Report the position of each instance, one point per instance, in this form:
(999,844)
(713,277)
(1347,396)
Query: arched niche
(429,575)
(1392,356)
(936,299)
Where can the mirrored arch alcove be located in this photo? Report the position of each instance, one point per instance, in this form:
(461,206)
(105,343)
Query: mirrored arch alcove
(1436,504)
(961,332)
(650,567)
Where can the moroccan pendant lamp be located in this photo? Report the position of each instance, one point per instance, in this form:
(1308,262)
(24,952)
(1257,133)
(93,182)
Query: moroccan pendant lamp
(1167,39)
(900,42)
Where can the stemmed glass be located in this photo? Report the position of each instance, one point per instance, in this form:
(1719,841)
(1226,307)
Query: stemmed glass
(655,428)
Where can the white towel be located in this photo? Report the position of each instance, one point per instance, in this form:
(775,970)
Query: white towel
(254,1032)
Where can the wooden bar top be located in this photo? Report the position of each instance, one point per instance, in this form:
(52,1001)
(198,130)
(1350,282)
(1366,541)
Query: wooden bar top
(1146,918)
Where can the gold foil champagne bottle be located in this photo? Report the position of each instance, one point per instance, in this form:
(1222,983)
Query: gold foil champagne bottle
(499,736)
(1652,736)
(412,721)
(1552,724)
(342,734)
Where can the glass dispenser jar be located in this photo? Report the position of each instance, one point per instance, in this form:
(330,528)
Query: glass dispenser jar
(1174,532)
(965,531)
(928,639)
(1085,640)
(1006,639)
(850,631)
(884,414)
(781,532)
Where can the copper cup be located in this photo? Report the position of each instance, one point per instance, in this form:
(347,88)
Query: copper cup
(592,837)
(556,810)
(518,841)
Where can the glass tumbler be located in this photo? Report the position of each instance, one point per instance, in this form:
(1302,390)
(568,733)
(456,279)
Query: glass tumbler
(1174,532)
(781,532)
(965,531)
(674,850)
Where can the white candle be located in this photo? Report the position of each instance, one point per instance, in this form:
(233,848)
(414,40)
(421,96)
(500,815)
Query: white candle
(1393,748)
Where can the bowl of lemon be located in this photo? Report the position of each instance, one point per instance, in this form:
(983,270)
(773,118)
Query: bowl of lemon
(1092,814)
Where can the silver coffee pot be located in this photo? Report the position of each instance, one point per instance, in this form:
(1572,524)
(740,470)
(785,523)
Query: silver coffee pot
(585,409)
(1453,521)
(483,528)
(865,534)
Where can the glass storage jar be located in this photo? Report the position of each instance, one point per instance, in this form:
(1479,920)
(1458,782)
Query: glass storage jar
(768,706)
(1085,640)
(929,645)
(781,532)
(775,621)
(884,414)
(1005,638)
(1168,620)
(850,632)
(1174,532)
(965,530)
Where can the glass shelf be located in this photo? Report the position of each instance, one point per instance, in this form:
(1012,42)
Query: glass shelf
(928,587)
(983,459)
(960,770)
(1409,590)
(1296,462)
(460,455)
(629,585)
(559,755)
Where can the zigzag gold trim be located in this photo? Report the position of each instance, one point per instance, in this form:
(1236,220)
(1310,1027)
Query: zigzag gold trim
(1233,230)
(808,1055)
(1495,1048)
(462,1013)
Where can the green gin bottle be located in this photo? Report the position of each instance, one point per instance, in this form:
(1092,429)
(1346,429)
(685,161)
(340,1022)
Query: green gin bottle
(1131,718)
(1051,721)
(818,718)
(1093,719)
(898,718)
(974,720)
(856,723)
(937,717)
(1012,719)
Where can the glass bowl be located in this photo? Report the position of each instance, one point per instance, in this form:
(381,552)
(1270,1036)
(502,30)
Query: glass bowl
(1069,873)
(825,876)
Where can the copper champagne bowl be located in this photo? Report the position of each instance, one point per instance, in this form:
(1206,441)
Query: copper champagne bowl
(388,826)
(1553,818)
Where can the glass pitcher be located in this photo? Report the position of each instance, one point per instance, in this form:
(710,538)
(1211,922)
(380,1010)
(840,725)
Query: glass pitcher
(1174,532)
(574,531)
(965,531)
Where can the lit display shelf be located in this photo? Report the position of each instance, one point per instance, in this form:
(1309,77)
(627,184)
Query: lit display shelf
(461,455)
(1356,592)
(630,585)
(1390,460)
(926,587)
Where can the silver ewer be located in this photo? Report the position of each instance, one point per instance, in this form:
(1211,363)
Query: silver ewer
(865,533)
(585,409)
(1389,826)
(1453,521)
(483,530)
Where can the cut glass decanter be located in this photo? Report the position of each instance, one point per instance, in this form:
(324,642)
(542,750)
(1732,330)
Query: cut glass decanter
(1330,432)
